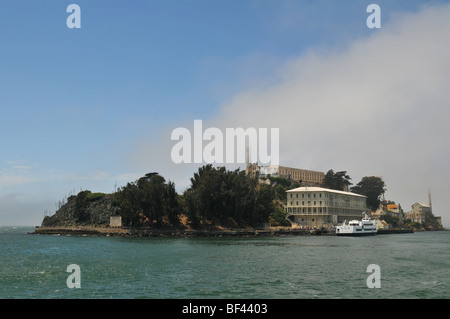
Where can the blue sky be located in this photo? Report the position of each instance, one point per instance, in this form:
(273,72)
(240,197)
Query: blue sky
(77,104)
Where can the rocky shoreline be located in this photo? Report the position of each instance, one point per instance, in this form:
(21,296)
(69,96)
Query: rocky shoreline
(149,232)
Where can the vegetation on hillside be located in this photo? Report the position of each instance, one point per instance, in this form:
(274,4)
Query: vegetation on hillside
(216,197)
(147,201)
(220,196)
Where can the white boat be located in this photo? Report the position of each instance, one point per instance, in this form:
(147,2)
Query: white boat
(363,227)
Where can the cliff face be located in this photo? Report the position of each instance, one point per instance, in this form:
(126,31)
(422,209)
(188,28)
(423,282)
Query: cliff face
(84,209)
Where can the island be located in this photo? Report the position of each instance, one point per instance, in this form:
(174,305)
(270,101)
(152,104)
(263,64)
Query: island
(219,202)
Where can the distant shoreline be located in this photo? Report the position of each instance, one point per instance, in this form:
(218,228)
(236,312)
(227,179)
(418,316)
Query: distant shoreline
(149,232)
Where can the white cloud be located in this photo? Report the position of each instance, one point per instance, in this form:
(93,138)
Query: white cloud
(11,179)
(378,107)
(16,173)
(381,107)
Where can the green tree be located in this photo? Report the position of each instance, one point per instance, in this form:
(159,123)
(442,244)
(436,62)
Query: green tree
(81,206)
(372,187)
(218,195)
(391,220)
(149,198)
(171,205)
(430,221)
(278,217)
(128,203)
(151,193)
(338,181)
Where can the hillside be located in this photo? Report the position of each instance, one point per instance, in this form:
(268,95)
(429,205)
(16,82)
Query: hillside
(217,198)
(86,208)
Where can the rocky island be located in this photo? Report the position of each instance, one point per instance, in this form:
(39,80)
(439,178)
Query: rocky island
(218,203)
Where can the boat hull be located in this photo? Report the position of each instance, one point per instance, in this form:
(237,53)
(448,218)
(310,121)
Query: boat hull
(359,234)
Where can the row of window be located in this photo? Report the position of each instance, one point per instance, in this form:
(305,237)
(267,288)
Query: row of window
(309,203)
(306,176)
(329,204)
(326,195)
(347,199)
(307,210)
(308,195)
(328,210)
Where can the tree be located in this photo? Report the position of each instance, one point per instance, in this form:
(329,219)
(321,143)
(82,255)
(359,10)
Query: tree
(152,193)
(430,221)
(372,187)
(338,181)
(218,195)
(148,200)
(281,185)
(81,206)
(126,199)
(172,206)
(278,217)
(391,220)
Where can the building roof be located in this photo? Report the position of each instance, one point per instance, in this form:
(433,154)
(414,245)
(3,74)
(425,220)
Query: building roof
(392,206)
(421,204)
(321,189)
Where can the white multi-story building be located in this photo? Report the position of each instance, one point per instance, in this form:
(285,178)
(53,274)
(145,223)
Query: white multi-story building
(316,206)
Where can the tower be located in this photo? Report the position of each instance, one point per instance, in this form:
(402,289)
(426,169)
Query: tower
(247,158)
(429,200)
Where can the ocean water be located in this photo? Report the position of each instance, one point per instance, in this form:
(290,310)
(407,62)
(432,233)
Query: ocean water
(304,267)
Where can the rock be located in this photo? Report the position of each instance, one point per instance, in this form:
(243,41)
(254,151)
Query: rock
(98,212)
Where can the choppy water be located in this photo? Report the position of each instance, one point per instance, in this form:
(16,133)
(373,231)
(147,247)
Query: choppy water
(411,266)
